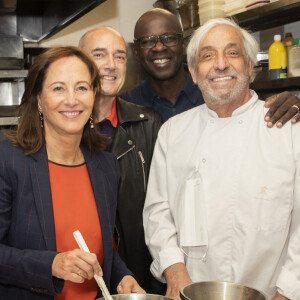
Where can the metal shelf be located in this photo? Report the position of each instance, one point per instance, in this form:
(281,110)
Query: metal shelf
(9,121)
(13,74)
(269,15)
(277,84)
(264,17)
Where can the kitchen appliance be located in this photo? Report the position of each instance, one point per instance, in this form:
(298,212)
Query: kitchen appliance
(219,290)
(185,10)
(28,21)
(138,297)
(261,69)
(12,77)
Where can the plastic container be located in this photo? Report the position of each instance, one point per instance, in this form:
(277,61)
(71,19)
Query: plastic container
(232,7)
(210,9)
(294,59)
(277,59)
(287,42)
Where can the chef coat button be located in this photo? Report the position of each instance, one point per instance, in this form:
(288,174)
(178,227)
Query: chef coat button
(130,142)
(142,115)
(240,121)
(204,160)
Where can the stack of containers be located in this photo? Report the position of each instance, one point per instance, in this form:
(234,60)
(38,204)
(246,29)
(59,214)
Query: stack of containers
(232,7)
(209,9)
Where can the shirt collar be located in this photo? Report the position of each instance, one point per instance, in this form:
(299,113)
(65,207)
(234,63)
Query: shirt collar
(188,89)
(240,110)
(149,93)
(113,118)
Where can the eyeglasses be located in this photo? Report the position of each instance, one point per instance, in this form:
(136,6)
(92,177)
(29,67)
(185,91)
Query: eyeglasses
(168,39)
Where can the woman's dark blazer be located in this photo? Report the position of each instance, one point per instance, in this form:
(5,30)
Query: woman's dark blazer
(27,232)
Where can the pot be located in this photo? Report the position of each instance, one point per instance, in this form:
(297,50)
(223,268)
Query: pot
(137,297)
(218,290)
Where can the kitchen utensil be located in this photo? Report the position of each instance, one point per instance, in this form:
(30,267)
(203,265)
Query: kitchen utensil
(82,245)
(138,297)
(218,290)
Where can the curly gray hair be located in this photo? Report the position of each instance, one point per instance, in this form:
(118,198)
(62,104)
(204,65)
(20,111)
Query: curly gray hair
(250,43)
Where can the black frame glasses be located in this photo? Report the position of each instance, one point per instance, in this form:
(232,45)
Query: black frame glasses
(168,39)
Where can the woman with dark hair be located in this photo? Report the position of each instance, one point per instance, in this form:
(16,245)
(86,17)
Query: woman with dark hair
(55,179)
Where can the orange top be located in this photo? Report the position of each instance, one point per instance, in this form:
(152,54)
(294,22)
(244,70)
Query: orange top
(74,209)
(113,118)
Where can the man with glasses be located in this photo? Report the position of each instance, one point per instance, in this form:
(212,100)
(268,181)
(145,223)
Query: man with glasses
(169,89)
(160,49)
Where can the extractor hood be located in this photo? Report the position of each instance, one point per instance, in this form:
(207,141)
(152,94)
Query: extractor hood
(29,21)
(36,20)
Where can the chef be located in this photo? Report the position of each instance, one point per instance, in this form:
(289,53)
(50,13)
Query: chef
(223,196)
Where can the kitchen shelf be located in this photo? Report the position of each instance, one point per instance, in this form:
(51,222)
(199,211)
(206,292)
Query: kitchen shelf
(263,17)
(9,121)
(276,84)
(15,74)
(270,15)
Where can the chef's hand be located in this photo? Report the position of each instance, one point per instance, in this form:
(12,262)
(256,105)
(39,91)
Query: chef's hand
(129,285)
(76,265)
(279,297)
(177,277)
(283,107)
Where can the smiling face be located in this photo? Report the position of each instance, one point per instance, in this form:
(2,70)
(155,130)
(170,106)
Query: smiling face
(67,98)
(222,71)
(160,62)
(108,50)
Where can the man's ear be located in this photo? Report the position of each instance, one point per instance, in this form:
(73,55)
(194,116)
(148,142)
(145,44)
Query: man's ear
(194,74)
(251,66)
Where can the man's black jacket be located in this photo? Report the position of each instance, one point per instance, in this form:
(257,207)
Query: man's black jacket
(133,145)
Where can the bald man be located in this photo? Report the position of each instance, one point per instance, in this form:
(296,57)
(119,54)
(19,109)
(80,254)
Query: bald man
(133,130)
(169,89)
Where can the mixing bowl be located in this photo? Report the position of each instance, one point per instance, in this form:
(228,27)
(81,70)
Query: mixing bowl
(218,290)
(138,297)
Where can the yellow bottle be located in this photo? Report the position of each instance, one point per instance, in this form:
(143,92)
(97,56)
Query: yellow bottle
(277,59)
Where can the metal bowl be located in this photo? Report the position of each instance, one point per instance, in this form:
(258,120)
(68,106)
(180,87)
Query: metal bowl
(218,290)
(138,297)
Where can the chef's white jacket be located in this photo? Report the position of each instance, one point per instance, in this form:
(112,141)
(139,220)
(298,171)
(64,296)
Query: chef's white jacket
(224,198)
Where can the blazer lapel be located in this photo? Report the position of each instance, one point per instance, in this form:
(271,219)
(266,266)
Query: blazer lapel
(42,194)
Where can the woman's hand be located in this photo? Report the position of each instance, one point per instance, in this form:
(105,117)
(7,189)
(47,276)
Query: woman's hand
(129,285)
(76,265)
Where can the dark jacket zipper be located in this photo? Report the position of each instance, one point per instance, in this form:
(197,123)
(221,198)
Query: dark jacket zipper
(143,168)
(121,155)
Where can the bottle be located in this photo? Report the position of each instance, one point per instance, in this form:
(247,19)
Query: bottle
(294,59)
(277,59)
(288,38)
